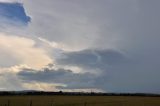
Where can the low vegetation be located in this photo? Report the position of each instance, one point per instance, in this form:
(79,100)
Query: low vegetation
(64,100)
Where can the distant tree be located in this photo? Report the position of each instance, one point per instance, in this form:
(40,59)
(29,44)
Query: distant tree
(60,92)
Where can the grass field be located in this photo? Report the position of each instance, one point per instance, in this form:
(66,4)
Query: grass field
(78,101)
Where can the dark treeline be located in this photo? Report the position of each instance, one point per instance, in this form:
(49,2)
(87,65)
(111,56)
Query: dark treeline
(9,93)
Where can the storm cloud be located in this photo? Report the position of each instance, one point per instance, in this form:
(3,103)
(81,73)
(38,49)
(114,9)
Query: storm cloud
(72,80)
(108,44)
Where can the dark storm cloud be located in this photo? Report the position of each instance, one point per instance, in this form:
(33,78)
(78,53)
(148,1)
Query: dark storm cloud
(109,62)
(93,58)
(119,72)
(72,80)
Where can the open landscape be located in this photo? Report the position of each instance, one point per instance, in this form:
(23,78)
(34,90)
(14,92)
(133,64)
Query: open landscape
(79,52)
(60,100)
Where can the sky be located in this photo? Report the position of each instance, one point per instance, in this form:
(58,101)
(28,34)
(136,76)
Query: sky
(80,45)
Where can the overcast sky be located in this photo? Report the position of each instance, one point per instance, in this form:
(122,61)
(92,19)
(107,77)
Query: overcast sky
(80,45)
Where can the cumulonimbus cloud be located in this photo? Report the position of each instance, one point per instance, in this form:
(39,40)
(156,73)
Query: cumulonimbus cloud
(92,32)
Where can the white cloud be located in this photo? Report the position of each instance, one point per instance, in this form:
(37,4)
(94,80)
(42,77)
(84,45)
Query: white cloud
(17,50)
(54,87)
(41,86)
(14,69)
(54,45)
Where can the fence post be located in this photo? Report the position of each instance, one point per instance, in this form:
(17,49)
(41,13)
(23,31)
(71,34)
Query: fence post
(30,103)
(85,103)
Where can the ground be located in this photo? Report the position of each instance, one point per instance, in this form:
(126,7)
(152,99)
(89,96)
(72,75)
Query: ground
(78,101)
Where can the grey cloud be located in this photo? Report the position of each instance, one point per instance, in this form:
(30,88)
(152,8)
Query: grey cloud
(10,82)
(100,59)
(119,72)
(112,64)
(130,26)
(73,22)
(72,80)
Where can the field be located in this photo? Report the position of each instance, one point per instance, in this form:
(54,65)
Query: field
(78,101)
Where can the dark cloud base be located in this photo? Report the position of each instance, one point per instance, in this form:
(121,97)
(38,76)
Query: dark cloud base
(72,80)
(117,72)
(103,60)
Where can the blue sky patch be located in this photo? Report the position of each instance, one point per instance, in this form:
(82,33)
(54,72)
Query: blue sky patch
(14,12)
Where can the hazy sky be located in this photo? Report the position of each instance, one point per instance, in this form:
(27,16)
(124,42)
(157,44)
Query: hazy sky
(80,45)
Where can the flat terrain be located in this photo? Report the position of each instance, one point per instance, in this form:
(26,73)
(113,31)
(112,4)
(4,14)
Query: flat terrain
(78,101)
